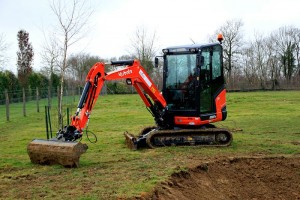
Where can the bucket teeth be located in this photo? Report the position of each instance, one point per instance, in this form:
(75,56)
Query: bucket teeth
(49,152)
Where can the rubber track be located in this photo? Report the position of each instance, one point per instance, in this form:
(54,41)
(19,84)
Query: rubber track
(189,132)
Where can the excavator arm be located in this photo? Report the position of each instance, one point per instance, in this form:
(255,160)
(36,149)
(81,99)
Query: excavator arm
(134,74)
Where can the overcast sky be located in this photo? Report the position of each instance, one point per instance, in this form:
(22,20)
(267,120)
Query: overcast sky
(175,22)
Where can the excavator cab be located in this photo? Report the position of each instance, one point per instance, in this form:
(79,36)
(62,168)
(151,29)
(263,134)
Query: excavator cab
(193,84)
(195,96)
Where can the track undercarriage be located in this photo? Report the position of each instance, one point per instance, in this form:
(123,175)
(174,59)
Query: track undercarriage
(203,136)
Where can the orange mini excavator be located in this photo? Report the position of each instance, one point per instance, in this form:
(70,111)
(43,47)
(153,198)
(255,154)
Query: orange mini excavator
(193,97)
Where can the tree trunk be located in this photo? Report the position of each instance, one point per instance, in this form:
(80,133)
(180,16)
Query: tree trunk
(49,96)
(62,81)
(58,107)
(50,86)
(37,100)
(61,93)
(7,105)
(24,103)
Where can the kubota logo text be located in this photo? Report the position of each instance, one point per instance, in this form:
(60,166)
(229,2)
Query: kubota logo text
(124,73)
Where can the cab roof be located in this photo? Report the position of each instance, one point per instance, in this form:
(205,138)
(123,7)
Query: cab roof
(187,48)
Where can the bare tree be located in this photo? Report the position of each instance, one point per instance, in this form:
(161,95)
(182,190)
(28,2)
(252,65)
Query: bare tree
(72,20)
(51,57)
(232,44)
(260,60)
(296,39)
(143,47)
(287,44)
(3,48)
(80,64)
(248,67)
(51,54)
(273,62)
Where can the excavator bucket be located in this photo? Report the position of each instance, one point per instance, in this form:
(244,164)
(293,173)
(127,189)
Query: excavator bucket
(49,152)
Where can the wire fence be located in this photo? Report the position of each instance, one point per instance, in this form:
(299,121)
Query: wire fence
(23,102)
(16,103)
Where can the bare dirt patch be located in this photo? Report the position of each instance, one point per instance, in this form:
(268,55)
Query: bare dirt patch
(217,178)
(235,178)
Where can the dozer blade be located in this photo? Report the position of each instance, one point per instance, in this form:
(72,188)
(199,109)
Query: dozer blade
(137,142)
(49,152)
(130,140)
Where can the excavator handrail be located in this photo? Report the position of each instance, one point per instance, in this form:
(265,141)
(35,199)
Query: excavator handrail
(121,62)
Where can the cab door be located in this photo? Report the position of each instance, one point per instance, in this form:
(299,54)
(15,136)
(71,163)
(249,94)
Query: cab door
(211,79)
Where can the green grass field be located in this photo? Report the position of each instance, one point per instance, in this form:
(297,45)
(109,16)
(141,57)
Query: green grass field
(265,123)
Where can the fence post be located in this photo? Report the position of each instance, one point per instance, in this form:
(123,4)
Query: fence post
(37,100)
(7,104)
(46,120)
(49,120)
(24,103)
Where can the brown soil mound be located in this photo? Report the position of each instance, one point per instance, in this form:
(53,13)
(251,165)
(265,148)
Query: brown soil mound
(236,178)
